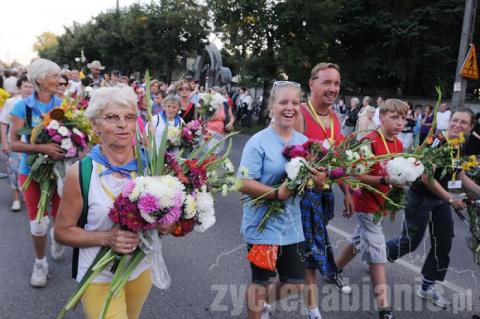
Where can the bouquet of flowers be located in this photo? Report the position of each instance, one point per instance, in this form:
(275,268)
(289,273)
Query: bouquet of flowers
(68,128)
(343,164)
(402,172)
(210,103)
(171,189)
(191,135)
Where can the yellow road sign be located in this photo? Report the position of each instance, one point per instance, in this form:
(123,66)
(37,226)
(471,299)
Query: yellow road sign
(470,66)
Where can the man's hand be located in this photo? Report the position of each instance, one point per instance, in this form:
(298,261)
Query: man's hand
(349,206)
(458,204)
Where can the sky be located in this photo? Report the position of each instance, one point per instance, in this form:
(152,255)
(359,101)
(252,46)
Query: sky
(23,20)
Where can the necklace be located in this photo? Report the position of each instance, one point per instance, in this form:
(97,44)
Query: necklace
(385,142)
(319,121)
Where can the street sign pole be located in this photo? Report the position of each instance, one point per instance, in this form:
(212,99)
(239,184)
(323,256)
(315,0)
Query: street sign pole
(460,85)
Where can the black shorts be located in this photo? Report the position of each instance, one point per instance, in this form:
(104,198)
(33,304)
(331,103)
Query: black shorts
(290,266)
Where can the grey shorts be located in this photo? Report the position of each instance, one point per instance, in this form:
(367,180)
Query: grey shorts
(368,239)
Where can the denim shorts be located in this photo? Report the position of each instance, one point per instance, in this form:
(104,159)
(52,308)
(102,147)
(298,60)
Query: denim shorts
(368,239)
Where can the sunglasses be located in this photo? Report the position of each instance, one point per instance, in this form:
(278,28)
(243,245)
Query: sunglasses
(184,89)
(283,83)
(62,83)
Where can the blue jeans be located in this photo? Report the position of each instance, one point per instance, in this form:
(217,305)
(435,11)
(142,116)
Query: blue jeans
(420,212)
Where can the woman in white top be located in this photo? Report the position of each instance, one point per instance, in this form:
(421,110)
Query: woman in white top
(113,114)
(366,123)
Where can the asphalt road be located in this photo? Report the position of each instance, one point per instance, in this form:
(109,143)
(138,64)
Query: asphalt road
(210,273)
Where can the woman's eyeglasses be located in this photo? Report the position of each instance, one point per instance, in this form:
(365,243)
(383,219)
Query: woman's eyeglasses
(184,89)
(63,84)
(115,118)
(283,83)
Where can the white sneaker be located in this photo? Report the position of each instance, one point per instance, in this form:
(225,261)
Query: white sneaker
(56,250)
(39,275)
(434,296)
(16,206)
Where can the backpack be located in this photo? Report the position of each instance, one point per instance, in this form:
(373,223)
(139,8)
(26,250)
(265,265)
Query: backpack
(85,168)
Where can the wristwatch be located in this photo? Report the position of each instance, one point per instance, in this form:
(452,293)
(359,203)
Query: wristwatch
(383,181)
(450,201)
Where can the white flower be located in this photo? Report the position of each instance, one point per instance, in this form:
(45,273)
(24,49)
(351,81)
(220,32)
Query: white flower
(206,211)
(66,144)
(403,171)
(77,132)
(190,207)
(62,130)
(174,135)
(77,60)
(366,151)
(244,172)
(228,166)
(149,219)
(53,125)
(224,190)
(360,170)
(293,167)
(349,154)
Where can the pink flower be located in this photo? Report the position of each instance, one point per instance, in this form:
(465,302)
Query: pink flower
(171,216)
(51,132)
(148,203)
(356,192)
(128,188)
(57,138)
(194,125)
(72,151)
(337,172)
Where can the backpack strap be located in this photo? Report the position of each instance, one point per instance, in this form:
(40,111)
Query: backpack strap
(85,169)
(28,119)
(226,109)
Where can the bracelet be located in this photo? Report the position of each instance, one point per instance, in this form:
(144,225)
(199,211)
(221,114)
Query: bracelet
(275,194)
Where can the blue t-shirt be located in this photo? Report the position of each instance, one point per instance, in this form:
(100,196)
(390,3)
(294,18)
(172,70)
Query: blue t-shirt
(263,159)
(38,108)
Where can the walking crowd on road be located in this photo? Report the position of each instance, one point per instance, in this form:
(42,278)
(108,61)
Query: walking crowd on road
(287,250)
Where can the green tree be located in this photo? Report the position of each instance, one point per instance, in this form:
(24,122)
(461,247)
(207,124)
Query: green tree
(45,41)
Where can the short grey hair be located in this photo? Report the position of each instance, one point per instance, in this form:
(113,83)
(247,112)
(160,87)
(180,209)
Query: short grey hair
(354,100)
(39,69)
(121,95)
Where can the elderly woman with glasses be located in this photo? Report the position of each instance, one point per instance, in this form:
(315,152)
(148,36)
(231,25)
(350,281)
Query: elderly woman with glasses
(263,166)
(187,108)
(28,112)
(83,220)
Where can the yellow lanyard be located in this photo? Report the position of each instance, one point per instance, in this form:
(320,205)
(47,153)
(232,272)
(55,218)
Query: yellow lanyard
(105,188)
(385,142)
(317,118)
(454,174)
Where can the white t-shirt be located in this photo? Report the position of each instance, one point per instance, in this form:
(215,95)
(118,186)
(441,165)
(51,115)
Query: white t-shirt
(376,117)
(442,120)
(5,116)
(99,204)
(249,101)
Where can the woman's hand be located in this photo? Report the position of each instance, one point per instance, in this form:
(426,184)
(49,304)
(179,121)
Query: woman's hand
(166,229)
(319,176)
(284,193)
(122,241)
(229,127)
(53,151)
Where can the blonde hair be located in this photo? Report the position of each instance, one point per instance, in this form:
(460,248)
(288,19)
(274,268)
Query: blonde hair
(276,89)
(323,66)
(395,106)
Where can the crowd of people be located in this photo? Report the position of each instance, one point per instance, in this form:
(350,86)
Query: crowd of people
(117,107)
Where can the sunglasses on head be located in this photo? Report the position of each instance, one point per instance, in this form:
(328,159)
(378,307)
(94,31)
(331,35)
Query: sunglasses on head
(283,83)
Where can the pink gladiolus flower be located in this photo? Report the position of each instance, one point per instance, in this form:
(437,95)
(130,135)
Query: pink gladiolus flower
(337,172)
(128,188)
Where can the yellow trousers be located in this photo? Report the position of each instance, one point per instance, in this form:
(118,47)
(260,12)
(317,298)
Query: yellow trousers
(127,305)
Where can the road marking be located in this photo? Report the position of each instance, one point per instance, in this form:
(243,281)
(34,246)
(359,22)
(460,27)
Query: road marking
(405,264)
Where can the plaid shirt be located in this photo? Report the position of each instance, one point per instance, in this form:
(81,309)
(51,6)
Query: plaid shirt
(317,210)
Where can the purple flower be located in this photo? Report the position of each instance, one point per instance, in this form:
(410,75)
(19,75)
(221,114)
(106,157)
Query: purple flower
(356,192)
(57,138)
(148,203)
(171,216)
(337,172)
(72,151)
(194,125)
(51,132)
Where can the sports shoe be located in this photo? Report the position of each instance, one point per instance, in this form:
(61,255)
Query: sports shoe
(337,281)
(434,296)
(16,206)
(385,314)
(56,250)
(39,275)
